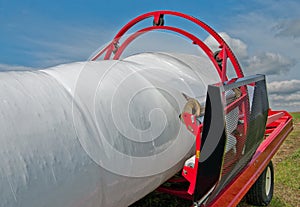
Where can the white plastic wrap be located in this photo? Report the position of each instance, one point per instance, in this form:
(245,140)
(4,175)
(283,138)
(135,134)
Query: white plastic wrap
(96,133)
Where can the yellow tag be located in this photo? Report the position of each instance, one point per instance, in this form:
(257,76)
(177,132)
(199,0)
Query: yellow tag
(198,154)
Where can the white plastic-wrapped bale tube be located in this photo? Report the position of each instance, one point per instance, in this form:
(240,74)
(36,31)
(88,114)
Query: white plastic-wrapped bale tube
(103,133)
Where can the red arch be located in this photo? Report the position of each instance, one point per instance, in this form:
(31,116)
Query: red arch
(226,52)
(195,40)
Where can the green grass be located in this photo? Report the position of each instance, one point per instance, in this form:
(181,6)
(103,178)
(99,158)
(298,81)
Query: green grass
(278,202)
(296,116)
(288,171)
(287,182)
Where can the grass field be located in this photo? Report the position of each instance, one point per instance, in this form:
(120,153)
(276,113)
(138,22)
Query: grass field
(287,170)
(287,177)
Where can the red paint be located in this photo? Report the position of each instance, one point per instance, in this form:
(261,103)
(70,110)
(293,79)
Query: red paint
(226,52)
(278,126)
(189,173)
(233,193)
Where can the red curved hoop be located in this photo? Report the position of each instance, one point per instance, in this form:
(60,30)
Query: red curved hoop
(225,53)
(195,40)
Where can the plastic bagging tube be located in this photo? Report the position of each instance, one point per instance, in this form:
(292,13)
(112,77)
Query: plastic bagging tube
(100,133)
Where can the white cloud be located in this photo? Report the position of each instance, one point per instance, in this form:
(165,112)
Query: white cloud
(269,29)
(269,63)
(285,94)
(6,67)
(288,28)
(289,86)
(237,45)
(289,102)
(286,98)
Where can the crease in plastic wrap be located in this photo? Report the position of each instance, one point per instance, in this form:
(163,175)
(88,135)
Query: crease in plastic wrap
(102,133)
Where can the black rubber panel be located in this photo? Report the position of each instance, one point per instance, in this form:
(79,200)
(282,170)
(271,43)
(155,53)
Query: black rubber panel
(213,144)
(242,128)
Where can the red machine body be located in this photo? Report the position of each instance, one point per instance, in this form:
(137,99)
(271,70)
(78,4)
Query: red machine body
(278,123)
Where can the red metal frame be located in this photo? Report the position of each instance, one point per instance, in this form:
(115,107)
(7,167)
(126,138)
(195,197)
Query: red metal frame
(278,126)
(276,132)
(195,40)
(189,173)
(225,53)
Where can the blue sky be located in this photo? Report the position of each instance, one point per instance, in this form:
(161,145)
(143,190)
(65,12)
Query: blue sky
(264,34)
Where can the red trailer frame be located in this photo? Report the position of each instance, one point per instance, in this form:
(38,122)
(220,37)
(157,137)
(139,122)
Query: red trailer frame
(278,126)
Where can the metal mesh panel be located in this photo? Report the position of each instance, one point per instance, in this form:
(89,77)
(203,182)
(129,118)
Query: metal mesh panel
(246,109)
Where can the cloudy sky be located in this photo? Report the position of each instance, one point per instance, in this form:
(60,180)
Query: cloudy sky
(265,35)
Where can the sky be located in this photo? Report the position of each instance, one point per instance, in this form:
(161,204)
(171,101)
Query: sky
(265,35)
